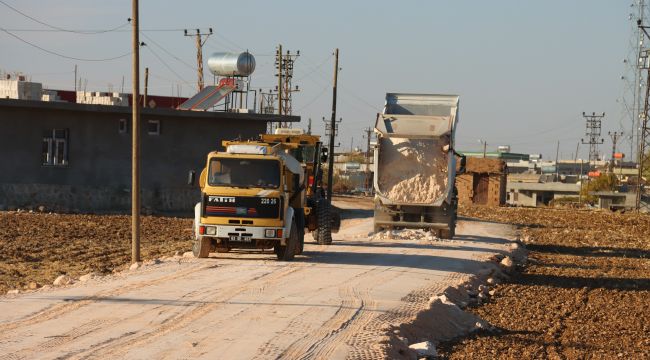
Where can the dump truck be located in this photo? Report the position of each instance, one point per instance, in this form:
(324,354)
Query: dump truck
(415,163)
(253,196)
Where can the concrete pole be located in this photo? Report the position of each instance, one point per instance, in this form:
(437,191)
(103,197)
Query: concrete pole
(330,173)
(135,139)
(146,87)
(280,80)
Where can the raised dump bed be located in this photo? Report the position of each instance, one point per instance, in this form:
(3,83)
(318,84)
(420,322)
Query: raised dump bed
(416,164)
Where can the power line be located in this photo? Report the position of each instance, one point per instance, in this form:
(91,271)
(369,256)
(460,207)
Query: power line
(163,62)
(168,52)
(62,29)
(61,55)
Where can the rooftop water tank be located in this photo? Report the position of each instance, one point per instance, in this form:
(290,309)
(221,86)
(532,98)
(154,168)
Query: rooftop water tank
(231,64)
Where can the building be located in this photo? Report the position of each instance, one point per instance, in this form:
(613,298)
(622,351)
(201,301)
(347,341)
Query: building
(77,157)
(483,183)
(538,194)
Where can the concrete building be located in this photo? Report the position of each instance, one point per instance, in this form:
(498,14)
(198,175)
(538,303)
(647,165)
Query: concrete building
(537,194)
(77,157)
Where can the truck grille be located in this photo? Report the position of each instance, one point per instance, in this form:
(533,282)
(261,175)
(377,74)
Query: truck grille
(242,206)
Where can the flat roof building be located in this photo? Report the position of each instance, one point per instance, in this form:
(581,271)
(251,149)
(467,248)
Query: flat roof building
(77,157)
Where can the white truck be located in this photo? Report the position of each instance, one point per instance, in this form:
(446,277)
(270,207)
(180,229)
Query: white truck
(415,163)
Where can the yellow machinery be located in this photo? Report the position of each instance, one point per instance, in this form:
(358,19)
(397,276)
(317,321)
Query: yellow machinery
(254,196)
(309,150)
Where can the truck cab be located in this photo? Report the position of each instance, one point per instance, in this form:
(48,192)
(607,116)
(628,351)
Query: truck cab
(251,198)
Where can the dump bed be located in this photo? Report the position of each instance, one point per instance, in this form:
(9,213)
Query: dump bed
(414,163)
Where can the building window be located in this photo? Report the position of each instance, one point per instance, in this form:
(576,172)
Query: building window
(123,127)
(153,127)
(55,147)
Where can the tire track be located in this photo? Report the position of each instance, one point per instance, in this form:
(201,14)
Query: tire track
(58,341)
(371,341)
(351,315)
(58,310)
(121,346)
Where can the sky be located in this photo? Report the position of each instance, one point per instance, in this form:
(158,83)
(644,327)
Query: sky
(525,71)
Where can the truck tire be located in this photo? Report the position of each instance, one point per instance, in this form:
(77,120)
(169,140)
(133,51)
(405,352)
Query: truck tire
(447,233)
(287,252)
(301,242)
(324,223)
(201,248)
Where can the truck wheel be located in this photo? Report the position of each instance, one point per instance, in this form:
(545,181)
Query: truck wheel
(324,223)
(201,248)
(301,242)
(287,252)
(447,233)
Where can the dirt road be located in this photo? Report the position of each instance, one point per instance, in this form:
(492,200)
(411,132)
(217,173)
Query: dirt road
(342,301)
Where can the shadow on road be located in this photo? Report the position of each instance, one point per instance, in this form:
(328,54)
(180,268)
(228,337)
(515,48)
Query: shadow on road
(414,261)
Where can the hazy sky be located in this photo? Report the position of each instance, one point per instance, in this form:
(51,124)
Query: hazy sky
(525,71)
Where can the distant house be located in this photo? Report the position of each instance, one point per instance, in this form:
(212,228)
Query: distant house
(77,157)
(537,194)
(483,183)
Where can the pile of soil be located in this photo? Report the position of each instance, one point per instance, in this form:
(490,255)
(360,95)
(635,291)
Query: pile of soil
(36,247)
(584,293)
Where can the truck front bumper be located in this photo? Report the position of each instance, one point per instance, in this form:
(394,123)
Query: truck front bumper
(241,232)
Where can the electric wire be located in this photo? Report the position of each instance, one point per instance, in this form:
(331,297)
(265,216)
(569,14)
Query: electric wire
(165,63)
(62,29)
(168,52)
(313,99)
(62,55)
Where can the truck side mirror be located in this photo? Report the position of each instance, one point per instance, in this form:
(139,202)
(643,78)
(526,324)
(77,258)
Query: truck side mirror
(191,178)
(323,155)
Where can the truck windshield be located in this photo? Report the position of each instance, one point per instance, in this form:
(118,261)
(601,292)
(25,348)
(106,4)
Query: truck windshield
(304,153)
(244,172)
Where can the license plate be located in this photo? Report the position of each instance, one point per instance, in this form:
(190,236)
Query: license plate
(240,238)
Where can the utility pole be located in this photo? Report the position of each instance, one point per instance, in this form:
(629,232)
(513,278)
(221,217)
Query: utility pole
(146,86)
(75,79)
(484,142)
(644,136)
(615,137)
(284,64)
(330,173)
(593,132)
(557,164)
(279,75)
(309,127)
(368,136)
(199,53)
(135,138)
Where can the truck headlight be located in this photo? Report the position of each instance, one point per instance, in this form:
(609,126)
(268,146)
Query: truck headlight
(269,233)
(210,230)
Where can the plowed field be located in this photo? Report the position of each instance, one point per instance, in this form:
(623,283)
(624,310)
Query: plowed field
(585,292)
(36,247)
